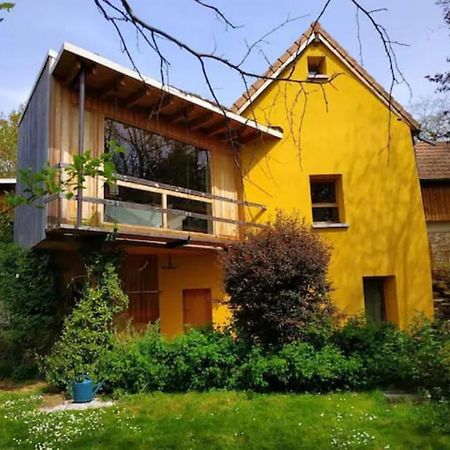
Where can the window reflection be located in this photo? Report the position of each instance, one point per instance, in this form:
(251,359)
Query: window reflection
(157,158)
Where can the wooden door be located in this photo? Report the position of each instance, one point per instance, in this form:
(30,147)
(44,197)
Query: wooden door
(139,275)
(197,308)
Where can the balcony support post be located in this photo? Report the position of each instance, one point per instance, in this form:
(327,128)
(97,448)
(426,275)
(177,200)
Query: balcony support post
(82,95)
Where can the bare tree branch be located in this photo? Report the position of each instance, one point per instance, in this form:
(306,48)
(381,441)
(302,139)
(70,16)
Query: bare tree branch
(120,12)
(219,14)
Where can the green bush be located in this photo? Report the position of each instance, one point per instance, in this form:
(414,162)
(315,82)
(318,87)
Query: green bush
(193,361)
(298,367)
(136,362)
(383,350)
(6,227)
(429,351)
(214,360)
(418,358)
(359,355)
(29,309)
(200,361)
(87,339)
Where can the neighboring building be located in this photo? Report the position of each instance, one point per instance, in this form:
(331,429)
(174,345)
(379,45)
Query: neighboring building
(433,162)
(193,175)
(6,185)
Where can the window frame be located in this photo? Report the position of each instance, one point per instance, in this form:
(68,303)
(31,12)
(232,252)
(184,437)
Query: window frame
(135,185)
(168,136)
(338,203)
(320,63)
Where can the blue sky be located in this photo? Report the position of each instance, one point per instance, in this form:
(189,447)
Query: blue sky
(34,26)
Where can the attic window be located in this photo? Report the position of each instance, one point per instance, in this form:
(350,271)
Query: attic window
(317,67)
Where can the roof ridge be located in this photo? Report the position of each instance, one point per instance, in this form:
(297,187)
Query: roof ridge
(317,28)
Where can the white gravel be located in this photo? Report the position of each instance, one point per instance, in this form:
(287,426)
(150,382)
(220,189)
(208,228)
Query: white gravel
(69,405)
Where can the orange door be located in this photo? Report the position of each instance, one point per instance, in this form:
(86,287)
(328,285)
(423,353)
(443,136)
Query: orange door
(197,309)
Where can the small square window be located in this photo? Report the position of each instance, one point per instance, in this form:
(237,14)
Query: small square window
(325,199)
(317,67)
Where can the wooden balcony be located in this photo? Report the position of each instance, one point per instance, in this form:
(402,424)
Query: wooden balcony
(164,215)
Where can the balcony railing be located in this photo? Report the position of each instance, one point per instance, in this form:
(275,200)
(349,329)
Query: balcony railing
(149,208)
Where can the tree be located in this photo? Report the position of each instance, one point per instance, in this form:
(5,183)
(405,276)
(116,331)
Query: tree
(6,6)
(45,182)
(442,80)
(9,129)
(276,280)
(87,336)
(434,117)
(121,14)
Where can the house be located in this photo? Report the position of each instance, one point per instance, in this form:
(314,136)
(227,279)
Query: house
(335,149)
(433,162)
(6,185)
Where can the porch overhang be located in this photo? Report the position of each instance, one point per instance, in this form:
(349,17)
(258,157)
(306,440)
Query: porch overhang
(108,81)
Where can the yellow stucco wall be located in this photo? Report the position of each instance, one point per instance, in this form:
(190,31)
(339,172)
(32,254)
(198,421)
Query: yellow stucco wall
(193,271)
(346,135)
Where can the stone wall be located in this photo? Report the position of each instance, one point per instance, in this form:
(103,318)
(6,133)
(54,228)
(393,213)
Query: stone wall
(439,236)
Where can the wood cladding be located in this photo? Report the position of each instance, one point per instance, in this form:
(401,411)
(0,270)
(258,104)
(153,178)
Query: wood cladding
(33,152)
(436,202)
(64,143)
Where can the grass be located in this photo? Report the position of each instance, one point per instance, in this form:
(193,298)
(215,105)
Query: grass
(223,420)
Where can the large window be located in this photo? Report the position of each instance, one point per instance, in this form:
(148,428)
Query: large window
(152,157)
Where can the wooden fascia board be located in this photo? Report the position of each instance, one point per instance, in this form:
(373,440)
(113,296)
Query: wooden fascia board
(204,104)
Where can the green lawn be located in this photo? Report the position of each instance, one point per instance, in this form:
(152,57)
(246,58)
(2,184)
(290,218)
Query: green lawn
(223,420)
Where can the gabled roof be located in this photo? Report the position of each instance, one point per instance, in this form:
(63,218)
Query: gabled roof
(317,33)
(433,160)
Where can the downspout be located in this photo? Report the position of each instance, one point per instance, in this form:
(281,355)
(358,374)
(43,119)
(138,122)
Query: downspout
(82,92)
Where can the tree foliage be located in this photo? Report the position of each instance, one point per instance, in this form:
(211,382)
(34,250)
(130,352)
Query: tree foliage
(9,128)
(6,6)
(87,336)
(276,280)
(48,180)
(29,315)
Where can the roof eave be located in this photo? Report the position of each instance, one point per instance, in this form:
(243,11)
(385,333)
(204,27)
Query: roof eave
(205,104)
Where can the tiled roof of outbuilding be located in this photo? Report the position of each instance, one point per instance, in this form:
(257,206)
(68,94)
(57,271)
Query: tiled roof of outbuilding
(433,160)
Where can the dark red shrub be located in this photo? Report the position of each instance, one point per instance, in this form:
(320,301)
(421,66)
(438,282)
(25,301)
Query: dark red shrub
(276,280)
